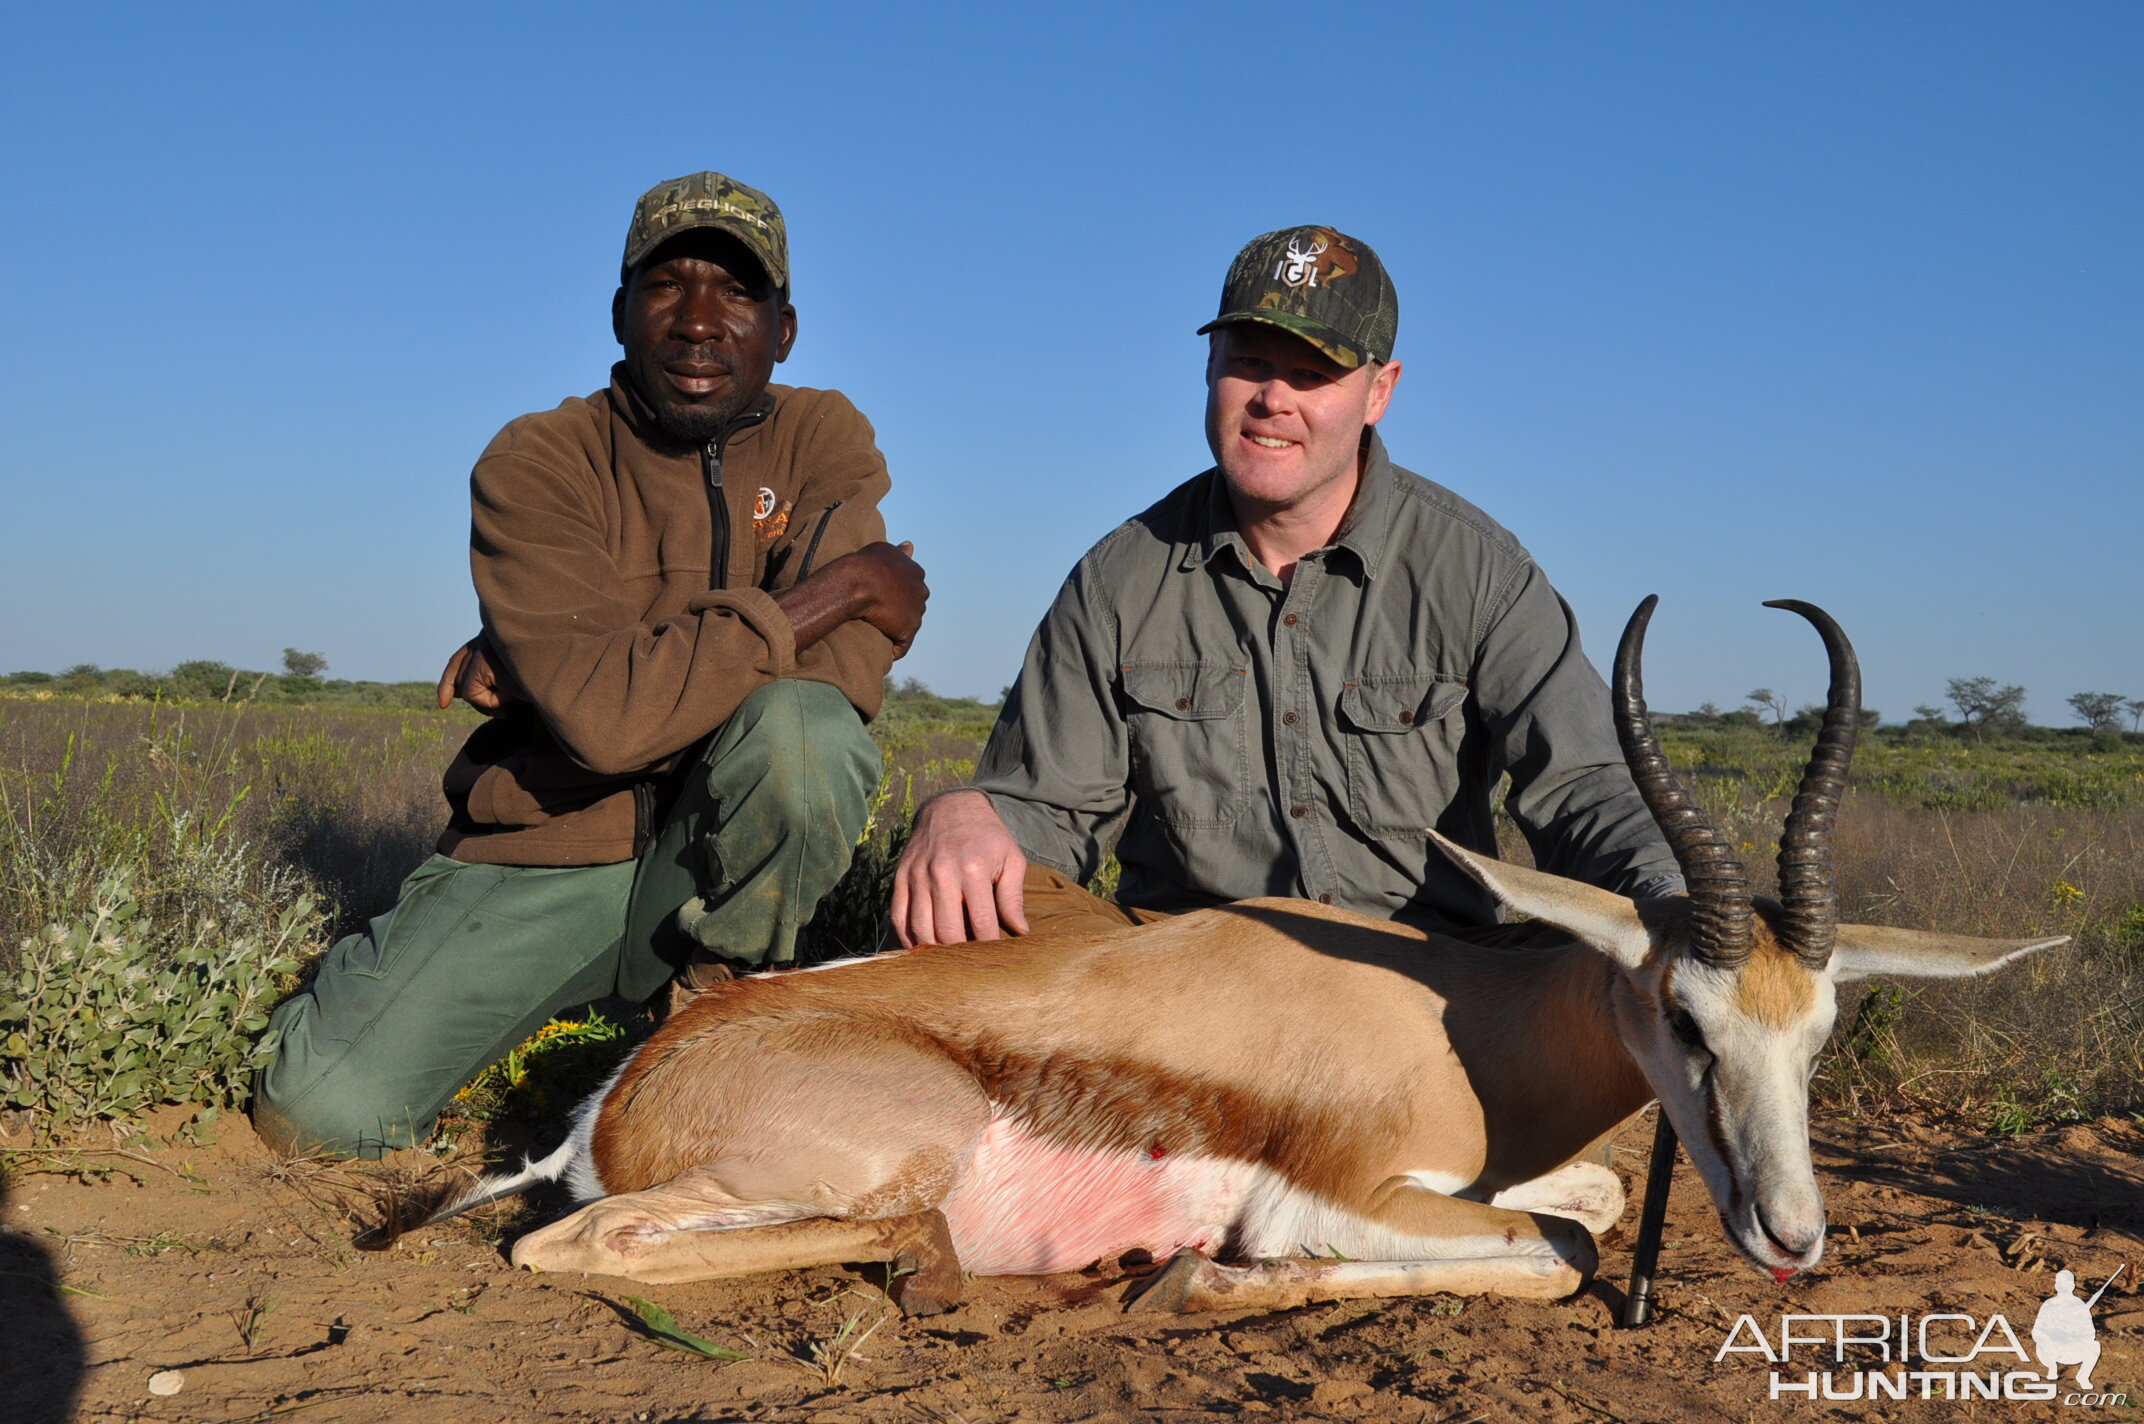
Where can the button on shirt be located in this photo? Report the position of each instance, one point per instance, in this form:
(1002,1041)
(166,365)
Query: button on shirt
(1236,737)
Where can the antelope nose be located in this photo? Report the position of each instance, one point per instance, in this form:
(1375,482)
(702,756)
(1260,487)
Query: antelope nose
(1794,1238)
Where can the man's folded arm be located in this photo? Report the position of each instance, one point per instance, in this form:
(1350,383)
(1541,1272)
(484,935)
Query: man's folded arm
(838,513)
(1548,711)
(618,693)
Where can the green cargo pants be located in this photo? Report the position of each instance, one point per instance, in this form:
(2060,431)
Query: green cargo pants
(473,959)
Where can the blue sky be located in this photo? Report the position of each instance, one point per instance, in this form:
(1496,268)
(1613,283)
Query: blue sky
(1727,303)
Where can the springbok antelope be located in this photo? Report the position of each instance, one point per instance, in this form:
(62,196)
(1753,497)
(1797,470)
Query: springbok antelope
(1289,1101)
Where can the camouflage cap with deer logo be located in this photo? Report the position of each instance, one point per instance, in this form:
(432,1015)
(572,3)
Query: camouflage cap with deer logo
(1324,286)
(709,200)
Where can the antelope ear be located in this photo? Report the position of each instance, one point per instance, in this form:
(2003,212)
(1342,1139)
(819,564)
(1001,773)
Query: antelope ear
(1605,920)
(1864,950)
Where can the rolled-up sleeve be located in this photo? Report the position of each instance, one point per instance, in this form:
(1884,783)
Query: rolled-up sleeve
(1057,764)
(1547,711)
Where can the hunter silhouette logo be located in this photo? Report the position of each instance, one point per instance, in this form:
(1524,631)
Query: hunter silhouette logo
(1941,1355)
(2062,1333)
(764,505)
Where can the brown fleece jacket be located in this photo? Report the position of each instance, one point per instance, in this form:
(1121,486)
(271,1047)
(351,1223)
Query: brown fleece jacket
(592,548)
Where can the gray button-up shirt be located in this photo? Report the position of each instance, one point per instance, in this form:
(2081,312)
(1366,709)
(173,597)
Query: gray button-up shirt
(1240,738)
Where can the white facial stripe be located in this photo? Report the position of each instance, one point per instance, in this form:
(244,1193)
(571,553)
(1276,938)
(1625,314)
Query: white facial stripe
(1745,1122)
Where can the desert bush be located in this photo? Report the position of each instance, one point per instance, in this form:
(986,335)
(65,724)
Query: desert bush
(158,894)
(155,994)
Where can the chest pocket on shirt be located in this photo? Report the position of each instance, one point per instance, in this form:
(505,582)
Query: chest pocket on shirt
(1402,750)
(1190,756)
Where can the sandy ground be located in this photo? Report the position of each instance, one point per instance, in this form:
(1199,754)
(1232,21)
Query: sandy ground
(237,1272)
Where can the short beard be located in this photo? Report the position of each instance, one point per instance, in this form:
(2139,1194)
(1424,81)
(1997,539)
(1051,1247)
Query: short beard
(687,422)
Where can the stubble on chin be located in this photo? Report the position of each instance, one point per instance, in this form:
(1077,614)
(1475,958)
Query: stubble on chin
(688,422)
(691,424)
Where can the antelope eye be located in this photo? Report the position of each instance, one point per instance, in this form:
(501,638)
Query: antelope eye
(1685,1029)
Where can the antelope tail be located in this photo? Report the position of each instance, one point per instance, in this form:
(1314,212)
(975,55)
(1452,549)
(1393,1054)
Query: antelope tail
(413,1215)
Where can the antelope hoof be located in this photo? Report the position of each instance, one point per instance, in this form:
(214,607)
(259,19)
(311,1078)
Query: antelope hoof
(1574,1247)
(1170,1290)
(925,1285)
(927,1275)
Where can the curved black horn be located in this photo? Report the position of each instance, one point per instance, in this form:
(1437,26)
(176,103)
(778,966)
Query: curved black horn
(1718,883)
(1808,894)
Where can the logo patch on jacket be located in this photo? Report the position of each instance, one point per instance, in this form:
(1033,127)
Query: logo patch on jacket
(769,519)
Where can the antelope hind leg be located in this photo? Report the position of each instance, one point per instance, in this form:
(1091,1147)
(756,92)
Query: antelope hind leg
(606,1243)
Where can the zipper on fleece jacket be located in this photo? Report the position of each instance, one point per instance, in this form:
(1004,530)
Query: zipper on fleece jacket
(718,505)
(718,510)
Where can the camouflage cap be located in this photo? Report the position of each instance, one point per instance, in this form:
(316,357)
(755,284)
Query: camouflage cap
(1321,285)
(709,200)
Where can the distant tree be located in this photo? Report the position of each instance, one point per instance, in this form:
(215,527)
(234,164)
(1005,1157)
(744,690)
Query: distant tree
(1809,720)
(1929,713)
(203,680)
(299,664)
(2135,707)
(1766,698)
(1710,711)
(2101,711)
(1983,705)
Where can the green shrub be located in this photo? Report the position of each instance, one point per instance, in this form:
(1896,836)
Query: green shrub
(139,1003)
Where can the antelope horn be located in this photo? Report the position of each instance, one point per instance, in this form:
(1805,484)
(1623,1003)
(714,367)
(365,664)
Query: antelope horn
(1809,897)
(1718,883)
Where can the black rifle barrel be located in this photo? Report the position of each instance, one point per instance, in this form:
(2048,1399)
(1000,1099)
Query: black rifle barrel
(1638,1304)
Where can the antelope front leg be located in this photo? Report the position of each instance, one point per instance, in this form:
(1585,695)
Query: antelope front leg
(618,1237)
(1191,1282)
(1407,1240)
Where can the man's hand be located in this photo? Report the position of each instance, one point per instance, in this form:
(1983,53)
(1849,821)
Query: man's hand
(959,879)
(878,583)
(472,676)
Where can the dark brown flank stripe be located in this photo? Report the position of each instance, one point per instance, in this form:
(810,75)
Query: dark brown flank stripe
(1111,1104)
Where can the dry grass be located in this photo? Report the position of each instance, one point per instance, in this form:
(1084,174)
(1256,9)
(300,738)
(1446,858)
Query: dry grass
(2002,840)
(344,801)
(2057,1038)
